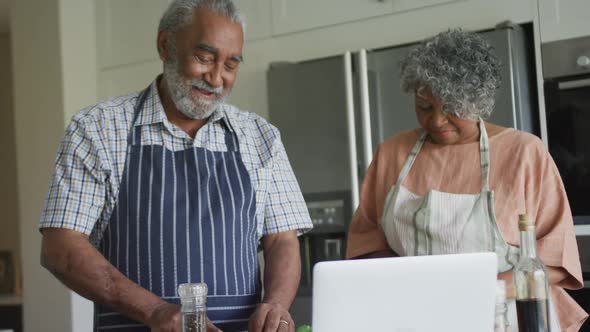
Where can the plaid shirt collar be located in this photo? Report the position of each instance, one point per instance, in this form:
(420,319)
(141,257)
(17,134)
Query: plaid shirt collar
(152,111)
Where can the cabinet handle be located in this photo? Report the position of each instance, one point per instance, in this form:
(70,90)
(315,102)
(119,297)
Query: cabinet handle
(365,109)
(350,120)
(583,61)
(574,84)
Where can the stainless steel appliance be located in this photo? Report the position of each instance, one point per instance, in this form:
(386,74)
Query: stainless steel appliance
(333,112)
(329,213)
(566,72)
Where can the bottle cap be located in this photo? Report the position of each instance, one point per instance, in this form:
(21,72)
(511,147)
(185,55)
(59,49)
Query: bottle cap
(191,291)
(525,223)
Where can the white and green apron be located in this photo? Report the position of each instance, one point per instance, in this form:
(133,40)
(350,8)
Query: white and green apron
(448,223)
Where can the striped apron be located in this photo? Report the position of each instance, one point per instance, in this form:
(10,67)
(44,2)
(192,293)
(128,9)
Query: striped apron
(185,216)
(446,223)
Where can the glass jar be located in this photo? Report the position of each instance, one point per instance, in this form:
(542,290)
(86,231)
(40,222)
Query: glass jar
(193,298)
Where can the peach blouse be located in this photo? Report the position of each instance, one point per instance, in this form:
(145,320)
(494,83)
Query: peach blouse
(524,178)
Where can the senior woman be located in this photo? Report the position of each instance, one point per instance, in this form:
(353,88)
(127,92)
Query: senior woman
(457,184)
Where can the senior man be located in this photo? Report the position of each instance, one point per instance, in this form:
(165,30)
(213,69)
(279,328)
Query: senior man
(172,185)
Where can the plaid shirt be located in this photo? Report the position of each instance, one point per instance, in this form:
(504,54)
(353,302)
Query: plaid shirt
(90,162)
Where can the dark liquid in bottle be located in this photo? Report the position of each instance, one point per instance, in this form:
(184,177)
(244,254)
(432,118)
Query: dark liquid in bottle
(533,315)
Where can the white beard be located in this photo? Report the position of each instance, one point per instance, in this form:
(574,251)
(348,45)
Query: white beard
(185,101)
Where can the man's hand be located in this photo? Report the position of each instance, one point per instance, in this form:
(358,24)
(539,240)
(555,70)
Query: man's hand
(167,318)
(271,317)
(282,270)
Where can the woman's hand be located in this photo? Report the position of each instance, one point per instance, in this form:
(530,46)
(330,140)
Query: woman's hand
(508,277)
(554,276)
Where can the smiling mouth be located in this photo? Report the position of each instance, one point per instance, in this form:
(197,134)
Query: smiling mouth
(203,92)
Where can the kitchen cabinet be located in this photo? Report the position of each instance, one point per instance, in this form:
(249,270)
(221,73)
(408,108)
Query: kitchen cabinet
(292,16)
(563,19)
(127,30)
(258,18)
(403,5)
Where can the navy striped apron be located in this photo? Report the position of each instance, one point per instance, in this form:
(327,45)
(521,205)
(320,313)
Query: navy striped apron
(185,216)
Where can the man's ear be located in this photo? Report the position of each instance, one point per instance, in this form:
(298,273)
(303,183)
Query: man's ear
(162,44)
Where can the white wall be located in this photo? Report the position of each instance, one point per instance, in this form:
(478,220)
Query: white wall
(54,66)
(8,186)
(80,75)
(39,125)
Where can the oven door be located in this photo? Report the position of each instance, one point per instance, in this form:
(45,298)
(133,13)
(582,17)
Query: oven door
(582,296)
(568,127)
(566,70)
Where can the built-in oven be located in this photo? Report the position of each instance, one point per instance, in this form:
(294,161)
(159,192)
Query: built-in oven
(566,72)
(330,214)
(566,68)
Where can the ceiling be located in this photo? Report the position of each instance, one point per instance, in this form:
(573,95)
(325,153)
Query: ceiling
(4,15)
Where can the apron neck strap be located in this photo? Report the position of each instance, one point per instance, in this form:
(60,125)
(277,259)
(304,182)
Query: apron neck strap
(410,161)
(231,136)
(134,136)
(484,156)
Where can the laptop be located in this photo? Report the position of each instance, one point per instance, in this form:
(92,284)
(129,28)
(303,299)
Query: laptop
(406,294)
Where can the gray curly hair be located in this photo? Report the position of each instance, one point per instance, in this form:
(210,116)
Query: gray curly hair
(180,14)
(459,67)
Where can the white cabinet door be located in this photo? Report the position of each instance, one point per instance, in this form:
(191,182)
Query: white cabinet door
(127,30)
(297,15)
(258,18)
(564,19)
(403,5)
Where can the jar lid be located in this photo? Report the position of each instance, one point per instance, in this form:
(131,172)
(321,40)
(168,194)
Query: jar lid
(195,290)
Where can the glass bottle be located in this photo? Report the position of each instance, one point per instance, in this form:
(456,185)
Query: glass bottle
(501,318)
(531,282)
(193,298)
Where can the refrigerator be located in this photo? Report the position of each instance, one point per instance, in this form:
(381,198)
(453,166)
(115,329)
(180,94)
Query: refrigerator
(333,112)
